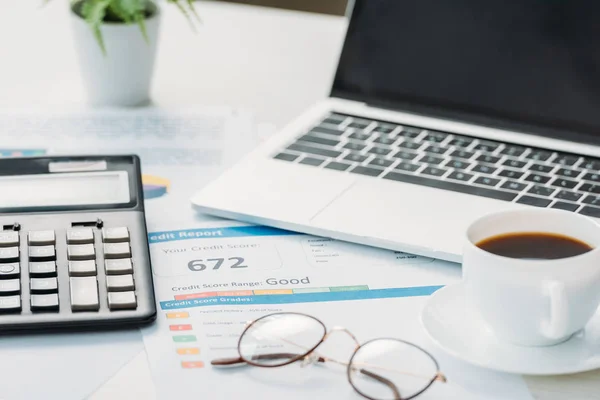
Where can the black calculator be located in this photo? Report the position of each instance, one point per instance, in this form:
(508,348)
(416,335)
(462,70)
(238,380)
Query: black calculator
(73,244)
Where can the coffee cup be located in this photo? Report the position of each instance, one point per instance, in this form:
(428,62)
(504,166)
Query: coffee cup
(533,301)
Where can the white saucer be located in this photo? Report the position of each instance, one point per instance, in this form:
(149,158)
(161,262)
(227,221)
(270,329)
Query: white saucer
(458,330)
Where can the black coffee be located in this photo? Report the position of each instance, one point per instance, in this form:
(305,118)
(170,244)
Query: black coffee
(534,245)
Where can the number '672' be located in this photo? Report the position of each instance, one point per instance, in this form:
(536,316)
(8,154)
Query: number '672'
(217,263)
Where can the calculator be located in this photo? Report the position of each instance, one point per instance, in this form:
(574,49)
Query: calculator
(73,244)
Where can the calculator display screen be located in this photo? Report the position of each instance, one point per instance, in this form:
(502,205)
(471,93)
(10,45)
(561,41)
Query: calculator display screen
(64,189)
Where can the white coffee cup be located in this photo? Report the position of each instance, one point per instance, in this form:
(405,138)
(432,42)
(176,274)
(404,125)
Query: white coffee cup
(533,302)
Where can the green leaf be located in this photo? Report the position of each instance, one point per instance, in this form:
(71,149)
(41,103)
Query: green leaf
(116,8)
(132,7)
(193,10)
(184,11)
(142,23)
(94,11)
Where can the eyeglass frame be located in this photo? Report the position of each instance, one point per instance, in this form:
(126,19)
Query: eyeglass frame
(233,361)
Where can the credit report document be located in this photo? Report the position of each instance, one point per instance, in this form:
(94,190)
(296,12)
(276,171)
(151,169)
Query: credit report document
(214,277)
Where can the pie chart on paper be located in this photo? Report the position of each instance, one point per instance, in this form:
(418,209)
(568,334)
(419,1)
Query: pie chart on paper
(155,186)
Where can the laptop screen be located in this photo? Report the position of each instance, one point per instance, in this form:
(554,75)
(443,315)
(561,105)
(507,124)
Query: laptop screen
(532,65)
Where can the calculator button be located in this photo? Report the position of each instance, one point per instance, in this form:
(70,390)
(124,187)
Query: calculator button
(40,238)
(78,252)
(44,285)
(82,268)
(84,294)
(8,271)
(119,283)
(42,253)
(117,250)
(80,236)
(122,300)
(9,254)
(10,304)
(114,235)
(9,238)
(10,286)
(118,267)
(42,269)
(44,302)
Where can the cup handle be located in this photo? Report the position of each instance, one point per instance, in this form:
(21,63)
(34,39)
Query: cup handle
(556,326)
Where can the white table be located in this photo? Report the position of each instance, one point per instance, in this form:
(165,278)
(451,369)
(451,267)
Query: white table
(274,63)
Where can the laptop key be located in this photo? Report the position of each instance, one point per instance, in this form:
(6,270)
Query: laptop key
(355,157)
(356,146)
(544,191)
(486,158)
(461,142)
(590,188)
(314,150)
(462,154)
(409,144)
(382,151)
(380,162)
(319,140)
(359,124)
(487,146)
(592,200)
(311,161)
(593,164)
(514,163)
(366,171)
(561,205)
(536,178)
(386,140)
(436,137)
(405,155)
(569,173)
(513,185)
(509,173)
(434,171)
(566,160)
(484,180)
(590,211)
(410,132)
(458,164)
(539,155)
(327,131)
(564,183)
(484,169)
(338,166)
(451,186)
(592,177)
(436,149)
(286,157)
(568,195)
(460,176)
(545,169)
(339,118)
(533,201)
(514,151)
(387,128)
(431,159)
(408,166)
(360,136)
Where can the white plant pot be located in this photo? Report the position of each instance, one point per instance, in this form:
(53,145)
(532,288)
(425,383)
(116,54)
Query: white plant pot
(123,76)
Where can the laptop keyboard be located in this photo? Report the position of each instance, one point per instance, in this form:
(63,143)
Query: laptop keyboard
(460,163)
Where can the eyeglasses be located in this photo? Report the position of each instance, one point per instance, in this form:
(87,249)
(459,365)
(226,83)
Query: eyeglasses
(380,369)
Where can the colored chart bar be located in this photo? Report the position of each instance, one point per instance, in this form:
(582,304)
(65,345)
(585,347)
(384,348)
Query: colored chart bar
(192,364)
(273,291)
(195,295)
(186,327)
(348,288)
(312,290)
(173,315)
(188,351)
(184,338)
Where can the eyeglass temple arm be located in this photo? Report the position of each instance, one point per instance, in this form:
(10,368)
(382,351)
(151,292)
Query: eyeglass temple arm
(274,356)
(383,380)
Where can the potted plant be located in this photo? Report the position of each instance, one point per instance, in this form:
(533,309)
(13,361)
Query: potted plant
(116,42)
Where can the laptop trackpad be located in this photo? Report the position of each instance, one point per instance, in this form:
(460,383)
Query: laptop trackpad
(409,217)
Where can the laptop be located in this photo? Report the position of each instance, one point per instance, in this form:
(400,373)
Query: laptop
(440,112)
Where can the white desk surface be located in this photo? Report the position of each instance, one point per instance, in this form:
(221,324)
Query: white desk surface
(271,62)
